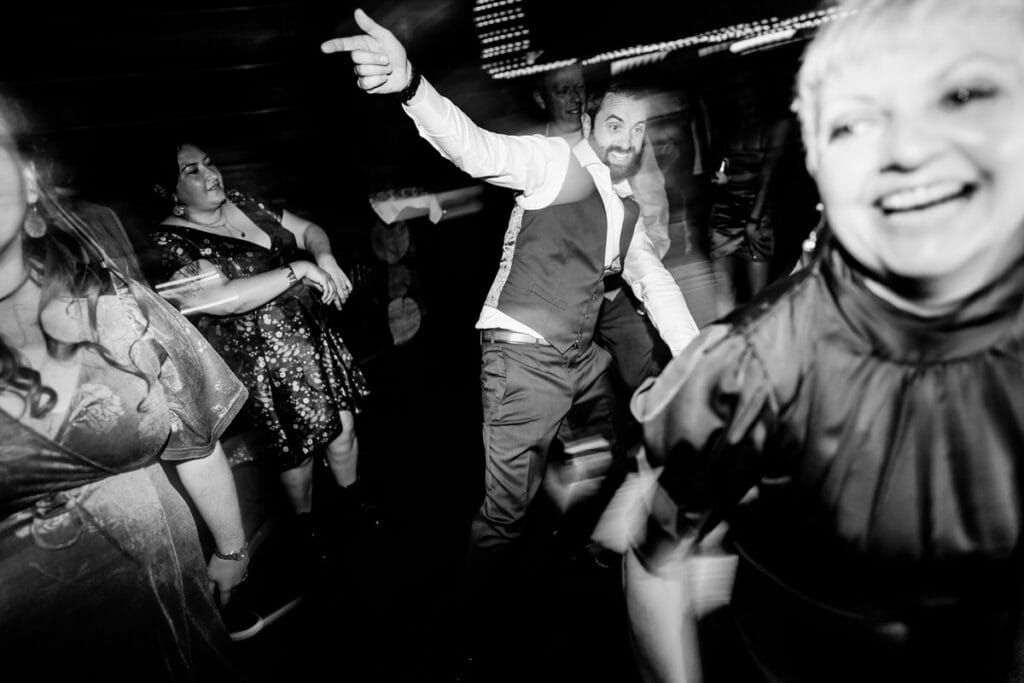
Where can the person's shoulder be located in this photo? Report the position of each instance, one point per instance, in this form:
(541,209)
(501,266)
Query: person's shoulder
(778,304)
(167,231)
(242,198)
(532,129)
(784,325)
(252,203)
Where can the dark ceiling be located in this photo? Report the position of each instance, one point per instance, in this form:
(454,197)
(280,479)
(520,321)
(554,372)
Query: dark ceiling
(109,84)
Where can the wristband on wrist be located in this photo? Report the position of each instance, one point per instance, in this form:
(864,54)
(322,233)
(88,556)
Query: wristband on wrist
(290,272)
(236,556)
(406,94)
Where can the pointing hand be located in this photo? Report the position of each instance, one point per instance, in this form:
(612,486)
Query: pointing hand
(380,61)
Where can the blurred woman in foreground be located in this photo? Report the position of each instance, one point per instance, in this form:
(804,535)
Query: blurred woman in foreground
(101,572)
(875,400)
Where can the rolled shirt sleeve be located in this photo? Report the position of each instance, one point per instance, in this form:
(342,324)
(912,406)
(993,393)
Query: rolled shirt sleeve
(532,164)
(648,187)
(657,289)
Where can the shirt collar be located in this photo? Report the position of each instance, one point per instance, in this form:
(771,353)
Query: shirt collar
(586,156)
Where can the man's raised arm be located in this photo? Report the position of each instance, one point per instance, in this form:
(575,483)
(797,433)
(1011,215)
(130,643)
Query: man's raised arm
(533,164)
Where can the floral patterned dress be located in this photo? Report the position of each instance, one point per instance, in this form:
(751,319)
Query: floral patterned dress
(295,365)
(101,572)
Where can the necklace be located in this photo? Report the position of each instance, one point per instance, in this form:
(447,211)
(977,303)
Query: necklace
(223,222)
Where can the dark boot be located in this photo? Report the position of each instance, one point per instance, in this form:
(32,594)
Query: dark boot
(312,545)
(359,508)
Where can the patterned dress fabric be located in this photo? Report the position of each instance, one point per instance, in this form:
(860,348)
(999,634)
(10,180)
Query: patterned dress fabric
(296,367)
(101,572)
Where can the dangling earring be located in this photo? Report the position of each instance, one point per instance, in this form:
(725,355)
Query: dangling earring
(35,226)
(178,210)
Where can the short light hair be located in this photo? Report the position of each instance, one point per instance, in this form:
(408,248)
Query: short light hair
(866,27)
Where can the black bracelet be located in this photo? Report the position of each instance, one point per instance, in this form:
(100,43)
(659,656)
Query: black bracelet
(290,272)
(406,94)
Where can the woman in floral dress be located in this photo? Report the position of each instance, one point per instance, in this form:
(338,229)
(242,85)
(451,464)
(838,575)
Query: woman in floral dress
(260,282)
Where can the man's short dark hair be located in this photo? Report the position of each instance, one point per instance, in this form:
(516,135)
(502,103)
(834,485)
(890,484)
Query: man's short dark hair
(616,86)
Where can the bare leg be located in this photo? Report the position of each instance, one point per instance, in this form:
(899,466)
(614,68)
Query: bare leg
(725,286)
(298,486)
(343,452)
(757,275)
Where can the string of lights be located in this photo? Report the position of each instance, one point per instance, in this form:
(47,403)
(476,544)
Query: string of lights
(504,37)
(512,42)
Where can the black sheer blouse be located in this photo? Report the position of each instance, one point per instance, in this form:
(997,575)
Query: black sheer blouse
(885,450)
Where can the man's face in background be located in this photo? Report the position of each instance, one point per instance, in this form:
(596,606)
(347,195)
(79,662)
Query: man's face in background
(562,96)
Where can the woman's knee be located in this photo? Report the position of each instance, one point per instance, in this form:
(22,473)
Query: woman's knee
(345,442)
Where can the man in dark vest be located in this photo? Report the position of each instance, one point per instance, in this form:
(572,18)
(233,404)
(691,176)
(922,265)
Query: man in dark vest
(622,330)
(570,228)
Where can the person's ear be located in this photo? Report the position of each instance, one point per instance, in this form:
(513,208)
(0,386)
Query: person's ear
(539,99)
(585,120)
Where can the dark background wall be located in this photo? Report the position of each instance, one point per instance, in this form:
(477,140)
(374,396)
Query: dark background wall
(107,81)
(106,84)
(109,85)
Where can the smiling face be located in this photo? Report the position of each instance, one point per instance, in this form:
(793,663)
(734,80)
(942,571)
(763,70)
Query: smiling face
(919,155)
(561,96)
(617,136)
(200,186)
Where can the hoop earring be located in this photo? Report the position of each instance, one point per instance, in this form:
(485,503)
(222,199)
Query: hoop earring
(178,210)
(34,225)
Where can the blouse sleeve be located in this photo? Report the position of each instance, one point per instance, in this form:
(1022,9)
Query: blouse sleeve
(706,419)
(202,393)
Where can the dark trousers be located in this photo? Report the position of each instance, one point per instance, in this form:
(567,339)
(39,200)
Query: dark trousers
(632,340)
(527,390)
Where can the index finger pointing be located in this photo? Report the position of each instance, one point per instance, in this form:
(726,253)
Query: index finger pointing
(348,44)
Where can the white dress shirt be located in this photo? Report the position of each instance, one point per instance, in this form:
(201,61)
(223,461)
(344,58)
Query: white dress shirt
(536,166)
(647,188)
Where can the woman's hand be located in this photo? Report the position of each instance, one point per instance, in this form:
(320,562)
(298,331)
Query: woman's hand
(753,229)
(342,283)
(226,576)
(320,279)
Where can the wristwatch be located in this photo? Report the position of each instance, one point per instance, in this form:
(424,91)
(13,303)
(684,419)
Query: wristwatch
(236,556)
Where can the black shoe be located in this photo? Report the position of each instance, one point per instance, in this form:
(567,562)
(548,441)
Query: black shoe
(588,558)
(605,559)
(464,673)
(362,509)
(312,543)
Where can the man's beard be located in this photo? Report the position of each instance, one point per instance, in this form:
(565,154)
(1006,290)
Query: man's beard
(620,172)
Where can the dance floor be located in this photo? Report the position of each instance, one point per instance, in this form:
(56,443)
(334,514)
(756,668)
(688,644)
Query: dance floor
(383,607)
